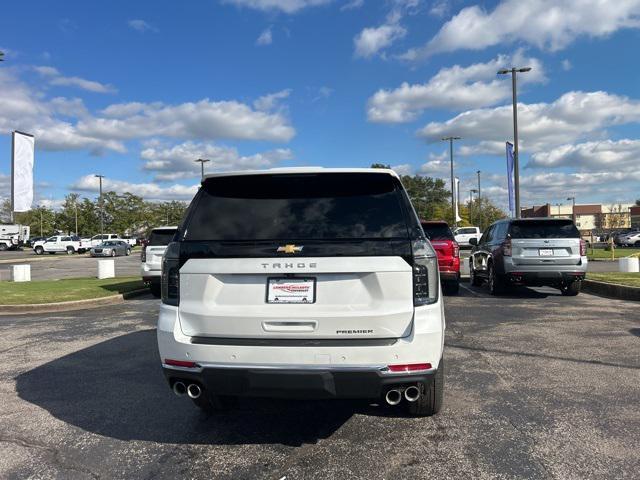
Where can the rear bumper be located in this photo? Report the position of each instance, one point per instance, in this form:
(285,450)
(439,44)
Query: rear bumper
(448,275)
(150,273)
(301,383)
(544,278)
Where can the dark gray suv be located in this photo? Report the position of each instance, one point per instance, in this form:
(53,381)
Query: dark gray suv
(529,251)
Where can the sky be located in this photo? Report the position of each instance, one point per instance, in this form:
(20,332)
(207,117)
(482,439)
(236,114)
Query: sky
(137,91)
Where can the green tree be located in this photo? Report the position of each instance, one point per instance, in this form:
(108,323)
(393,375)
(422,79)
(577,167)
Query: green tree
(41,220)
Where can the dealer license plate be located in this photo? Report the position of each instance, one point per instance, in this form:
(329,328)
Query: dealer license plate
(291,290)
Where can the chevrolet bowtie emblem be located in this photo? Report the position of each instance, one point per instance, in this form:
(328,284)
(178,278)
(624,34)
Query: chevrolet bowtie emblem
(289,249)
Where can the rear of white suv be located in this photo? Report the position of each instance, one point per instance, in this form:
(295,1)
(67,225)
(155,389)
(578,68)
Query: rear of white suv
(314,283)
(151,257)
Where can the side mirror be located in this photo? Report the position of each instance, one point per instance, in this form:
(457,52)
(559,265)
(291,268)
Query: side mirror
(473,241)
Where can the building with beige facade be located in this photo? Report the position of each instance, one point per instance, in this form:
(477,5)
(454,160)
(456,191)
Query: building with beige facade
(589,217)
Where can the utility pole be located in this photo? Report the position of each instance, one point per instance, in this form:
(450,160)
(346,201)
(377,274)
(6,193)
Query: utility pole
(453,200)
(202,162)
(471,192)
(101,208)
(41,220)
(516,156)
(75,204)
(479,203)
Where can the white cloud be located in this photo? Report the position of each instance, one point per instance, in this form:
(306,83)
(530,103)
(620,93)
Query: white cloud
(604,155)
(352,5)
(566,65)
(546,24)
(271,101)
(403,169)
(372,40)
(454,88)
(440,8)
(178,161)
(573,116)
(265,38)
(141,26)
(65,124)
(149,191)
(286,6)
(437,165)
(54,77)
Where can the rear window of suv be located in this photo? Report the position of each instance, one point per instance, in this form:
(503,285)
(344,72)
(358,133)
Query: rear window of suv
(298,206)
(161,237)
(437,231)
(544,229)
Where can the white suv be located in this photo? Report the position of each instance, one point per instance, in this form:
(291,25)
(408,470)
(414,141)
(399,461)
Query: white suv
(302,283)
(151,257)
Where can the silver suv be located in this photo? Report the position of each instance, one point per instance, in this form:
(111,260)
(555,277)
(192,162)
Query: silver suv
(534,252)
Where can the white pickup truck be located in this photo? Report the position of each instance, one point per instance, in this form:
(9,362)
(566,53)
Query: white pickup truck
(68,244)
(98,239)
(464,234)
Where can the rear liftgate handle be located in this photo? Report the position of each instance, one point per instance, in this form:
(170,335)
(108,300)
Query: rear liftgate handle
(306,326)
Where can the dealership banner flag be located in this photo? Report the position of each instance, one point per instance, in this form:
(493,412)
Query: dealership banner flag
(512,196)
(456,196)
(22,155)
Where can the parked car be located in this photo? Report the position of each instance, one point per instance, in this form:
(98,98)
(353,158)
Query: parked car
(462,235)
(98,239)
(32,241)
(620,234)
(69,244)
(439,233)
(530,251)
(305,283)
(111,248)
(630,239)
(151,257)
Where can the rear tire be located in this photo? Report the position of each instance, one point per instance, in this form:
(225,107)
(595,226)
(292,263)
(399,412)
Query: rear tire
(451,287)
(3,247)
(496,285)
(572,289)
(128,252)
(70,251)
(430,402)
(473,277)
(155,290)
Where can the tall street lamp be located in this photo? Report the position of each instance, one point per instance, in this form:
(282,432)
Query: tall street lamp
(100,177)
(573,208)
(558,205)
(471,192)
(202,162)
(516,167)
(453,201)
(479,203)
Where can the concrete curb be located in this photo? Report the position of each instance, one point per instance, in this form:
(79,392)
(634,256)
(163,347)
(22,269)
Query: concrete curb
(72,305)
(611,290)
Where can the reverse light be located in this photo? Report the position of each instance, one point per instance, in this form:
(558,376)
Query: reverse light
(143,254)
(180,363)
(583,248)
(506,247)
(410,367)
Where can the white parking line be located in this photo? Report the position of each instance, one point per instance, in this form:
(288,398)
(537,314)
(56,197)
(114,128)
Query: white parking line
(475,294)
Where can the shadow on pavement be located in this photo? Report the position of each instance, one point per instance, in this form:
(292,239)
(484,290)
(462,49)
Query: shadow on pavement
(116,389)
(635,331)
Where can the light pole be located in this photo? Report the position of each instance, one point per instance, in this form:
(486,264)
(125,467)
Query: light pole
(471,192)
(573,208)
(101,208)
(558,205)
(202,162)
(41,220)
(479,203)
(75,204)
(453,201)
(516,167)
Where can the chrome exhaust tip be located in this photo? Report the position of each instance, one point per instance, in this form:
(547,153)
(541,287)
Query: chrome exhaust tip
(393,397)
(194,391)
(179,388)
(412,393)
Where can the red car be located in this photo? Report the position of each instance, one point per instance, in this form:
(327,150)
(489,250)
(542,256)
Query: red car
(448,254)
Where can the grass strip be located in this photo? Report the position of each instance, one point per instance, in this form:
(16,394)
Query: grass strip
(65,290)
(628,279)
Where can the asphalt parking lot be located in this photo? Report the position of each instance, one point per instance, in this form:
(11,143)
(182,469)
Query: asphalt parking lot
(538,386)
(60,265)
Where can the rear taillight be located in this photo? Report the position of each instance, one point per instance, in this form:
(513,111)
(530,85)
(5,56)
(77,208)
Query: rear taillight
(411,367)
(456,250)
(143,254)
(425,273)
(171,275)
(583,248)
(506,247)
